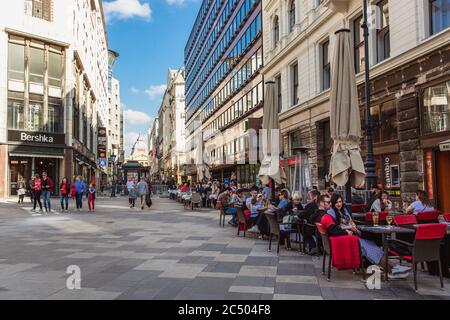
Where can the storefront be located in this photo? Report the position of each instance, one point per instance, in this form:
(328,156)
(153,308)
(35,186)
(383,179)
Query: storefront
(31,153)
(84,163)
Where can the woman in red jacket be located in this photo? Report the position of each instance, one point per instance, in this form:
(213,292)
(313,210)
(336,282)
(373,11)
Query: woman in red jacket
(37,192)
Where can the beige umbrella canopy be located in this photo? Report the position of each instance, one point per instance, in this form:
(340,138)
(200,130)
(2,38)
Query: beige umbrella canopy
(271,139)
(345,121)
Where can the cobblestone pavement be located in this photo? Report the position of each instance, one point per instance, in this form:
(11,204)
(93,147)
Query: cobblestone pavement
(164,253)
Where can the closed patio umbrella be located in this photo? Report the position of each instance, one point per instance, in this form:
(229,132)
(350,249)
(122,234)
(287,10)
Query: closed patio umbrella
(271,143)
(345,121)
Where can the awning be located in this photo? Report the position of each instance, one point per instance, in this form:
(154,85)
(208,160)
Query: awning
(35,152)
(444,145)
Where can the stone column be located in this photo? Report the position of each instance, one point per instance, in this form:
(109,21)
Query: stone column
(408,134)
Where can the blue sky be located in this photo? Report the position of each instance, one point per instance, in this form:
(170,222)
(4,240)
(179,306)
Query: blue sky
(149,36)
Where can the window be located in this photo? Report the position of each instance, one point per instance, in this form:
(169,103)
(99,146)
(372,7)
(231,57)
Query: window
(325,65)
(278,92)
(42,9)
(439,15)
(35,116)
(383,35)
(16,61)
(291,15)
(36,65)
(358,39)
(276,31)
(55,69)
(15,114)
(294,84)
(436,108)
(389,123)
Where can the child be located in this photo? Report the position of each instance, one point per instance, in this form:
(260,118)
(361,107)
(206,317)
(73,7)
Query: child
(91,197)
(132,195)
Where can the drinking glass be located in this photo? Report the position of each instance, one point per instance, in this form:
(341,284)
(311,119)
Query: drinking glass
(389,220)
(375,218)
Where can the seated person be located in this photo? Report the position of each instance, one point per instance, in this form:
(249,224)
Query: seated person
(296,205)
(338,222)
(253,203)
(382,203)
(227,204)
(422,203)
(311,206)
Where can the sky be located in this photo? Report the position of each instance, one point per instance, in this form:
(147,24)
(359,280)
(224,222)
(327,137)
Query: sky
(150,36)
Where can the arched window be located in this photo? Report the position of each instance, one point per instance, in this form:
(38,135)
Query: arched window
(276,31)
(291,15)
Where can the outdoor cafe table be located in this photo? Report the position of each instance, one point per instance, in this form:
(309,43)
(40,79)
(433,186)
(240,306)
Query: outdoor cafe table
(386,233)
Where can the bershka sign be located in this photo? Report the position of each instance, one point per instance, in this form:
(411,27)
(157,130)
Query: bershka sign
(35,137)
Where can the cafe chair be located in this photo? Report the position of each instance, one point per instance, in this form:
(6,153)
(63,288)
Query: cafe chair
(327,251)
(447,217)
(404,220)
(241,220)
(359,208)
(426,247)
(196,200)
(428,216)
(275,230)
(381,217)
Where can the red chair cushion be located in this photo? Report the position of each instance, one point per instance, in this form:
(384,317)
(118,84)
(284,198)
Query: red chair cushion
(431,231)
(408,258)
(405,219)
(447,217)
(358,208)
(381,216)
(321,228)
(428,215)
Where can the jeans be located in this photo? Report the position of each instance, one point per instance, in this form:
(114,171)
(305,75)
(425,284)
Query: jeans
(232,211)
(79,199)
(47,203)
(64,200)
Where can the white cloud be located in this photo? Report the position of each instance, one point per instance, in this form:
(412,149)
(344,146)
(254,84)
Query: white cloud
(175,2)
(127,9)
(135,118)
(129,140)
(135,90)
(155,91)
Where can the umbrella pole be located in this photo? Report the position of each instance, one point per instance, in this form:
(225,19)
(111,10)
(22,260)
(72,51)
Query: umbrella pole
(348,196)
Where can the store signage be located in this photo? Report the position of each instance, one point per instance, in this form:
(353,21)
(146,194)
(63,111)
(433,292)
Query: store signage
(101,145)
(36,137)
(387,172)
(444,146)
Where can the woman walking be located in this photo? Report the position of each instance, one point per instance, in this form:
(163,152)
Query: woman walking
(80,189)
(91,197)
(47,189)
(21,189)
(37,187)
(132,195)
(64,190)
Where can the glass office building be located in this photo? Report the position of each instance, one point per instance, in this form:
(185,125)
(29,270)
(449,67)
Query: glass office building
(224,88)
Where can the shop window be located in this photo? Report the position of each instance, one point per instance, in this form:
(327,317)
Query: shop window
(439,15)
(436,108)
(16,61)
(35,116)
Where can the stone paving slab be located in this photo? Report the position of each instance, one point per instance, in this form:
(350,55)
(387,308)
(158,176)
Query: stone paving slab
(166,253)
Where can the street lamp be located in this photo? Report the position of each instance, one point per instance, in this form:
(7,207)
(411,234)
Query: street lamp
(342,7)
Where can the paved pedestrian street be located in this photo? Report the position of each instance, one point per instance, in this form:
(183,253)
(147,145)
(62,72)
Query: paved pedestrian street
(166,252)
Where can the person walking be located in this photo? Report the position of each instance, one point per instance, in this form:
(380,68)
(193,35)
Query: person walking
(47,188)
(64,191)
(80,189)
(91,197)
(113,189)
(21,189)
(37,187)
(142,189)
(132,195)
(31,184)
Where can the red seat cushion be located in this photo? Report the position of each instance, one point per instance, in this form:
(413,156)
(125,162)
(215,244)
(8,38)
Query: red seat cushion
(447,217)
(407,258)
(431,231)
(405,219)
(428,215)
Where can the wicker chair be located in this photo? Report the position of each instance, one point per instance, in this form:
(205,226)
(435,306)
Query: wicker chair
(196,200)
(241,220)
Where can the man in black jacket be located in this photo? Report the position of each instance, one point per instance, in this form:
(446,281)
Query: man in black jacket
(323,204)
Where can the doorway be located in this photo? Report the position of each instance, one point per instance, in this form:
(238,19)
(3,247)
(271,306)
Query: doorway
(443,180)
(19,167)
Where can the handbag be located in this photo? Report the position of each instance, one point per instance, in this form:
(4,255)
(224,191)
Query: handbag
(289,219)
(21,191)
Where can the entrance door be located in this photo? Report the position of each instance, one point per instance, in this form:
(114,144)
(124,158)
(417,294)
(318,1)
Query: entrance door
(443,180)
(19,167)
(50,166)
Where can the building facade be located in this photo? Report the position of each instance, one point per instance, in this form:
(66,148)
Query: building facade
(409,69)
(53,89)
(224,88)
